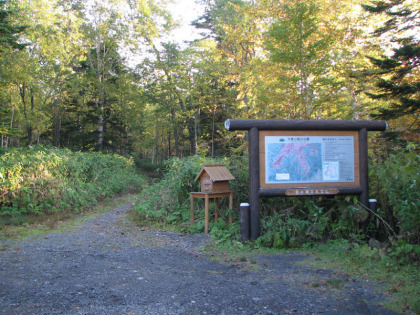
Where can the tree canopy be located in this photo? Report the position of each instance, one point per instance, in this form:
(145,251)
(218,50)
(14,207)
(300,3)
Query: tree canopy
(398,80)
(9,31)
(101,75)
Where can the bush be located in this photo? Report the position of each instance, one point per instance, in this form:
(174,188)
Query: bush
(46,179)
(395,181)
(295,221)
(168,199)
(151,169)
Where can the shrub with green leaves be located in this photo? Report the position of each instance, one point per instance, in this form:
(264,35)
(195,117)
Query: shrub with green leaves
(293,221)
(46,179)
(289,222)
(396,183)
(168,199)
(168,202)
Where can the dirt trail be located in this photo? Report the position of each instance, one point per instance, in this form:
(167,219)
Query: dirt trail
(108,266)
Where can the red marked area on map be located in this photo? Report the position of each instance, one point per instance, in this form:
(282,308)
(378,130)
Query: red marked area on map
(305,159)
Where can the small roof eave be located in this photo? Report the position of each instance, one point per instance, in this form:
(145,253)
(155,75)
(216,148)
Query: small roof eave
(217,172)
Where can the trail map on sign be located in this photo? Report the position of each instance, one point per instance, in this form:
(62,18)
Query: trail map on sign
(301,159)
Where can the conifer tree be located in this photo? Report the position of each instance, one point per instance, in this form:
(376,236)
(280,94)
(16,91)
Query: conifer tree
(399,78)
(9,32)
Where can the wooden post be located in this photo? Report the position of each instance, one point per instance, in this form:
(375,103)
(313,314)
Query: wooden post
(191,209)
(216,208)
(207,197)
(230,207)
(254,182)
(373,204)
(290,124)
(255,125)
(206,214)
(363,167)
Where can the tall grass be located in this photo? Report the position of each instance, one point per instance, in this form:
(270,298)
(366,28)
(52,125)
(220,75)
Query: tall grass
(167,201)
(396,183)
(43,180)
(297,221)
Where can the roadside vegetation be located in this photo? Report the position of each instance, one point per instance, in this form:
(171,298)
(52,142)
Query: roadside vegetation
(334,229)
(66,82)
(43,224)
(296,222)
(42,182)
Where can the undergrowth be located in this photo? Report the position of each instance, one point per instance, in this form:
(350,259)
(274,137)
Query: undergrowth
(61,221)
(46,180)
(401,280)
(340,231)
(167,202)
(293,222)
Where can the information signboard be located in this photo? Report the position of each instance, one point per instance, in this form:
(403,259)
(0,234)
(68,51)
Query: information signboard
(308,159)
(304,158)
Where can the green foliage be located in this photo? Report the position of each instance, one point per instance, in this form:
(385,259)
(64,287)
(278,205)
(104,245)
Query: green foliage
(149,167)
(9,32)
(389,266)
(403,253)
(167,201)
(45,180)
(293,222)
(223,232)
(238,166)
(397,79)
(396,183)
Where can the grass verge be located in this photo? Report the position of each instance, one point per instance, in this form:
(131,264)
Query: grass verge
(401,281)
(58,222)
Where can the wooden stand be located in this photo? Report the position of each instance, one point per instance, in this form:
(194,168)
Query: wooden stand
(206,197)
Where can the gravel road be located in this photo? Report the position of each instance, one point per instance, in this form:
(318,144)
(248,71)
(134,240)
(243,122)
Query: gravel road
(108,266)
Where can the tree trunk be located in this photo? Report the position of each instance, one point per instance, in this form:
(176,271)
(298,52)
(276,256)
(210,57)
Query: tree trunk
(169,144)
(176,137)
(11,120)
(195,135)
(30,128)
(213,128)
(100,101)
(82,132)
(100,125)
(190,125)
(22,92)
(29,131)
(354,105)
(156,144)
(57,128)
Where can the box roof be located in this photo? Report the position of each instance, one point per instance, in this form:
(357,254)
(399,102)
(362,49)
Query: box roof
(217,172)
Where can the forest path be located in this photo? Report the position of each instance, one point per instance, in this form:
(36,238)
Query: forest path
(108,266)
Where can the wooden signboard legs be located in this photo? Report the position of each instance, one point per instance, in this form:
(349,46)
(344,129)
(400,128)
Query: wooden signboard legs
(340,173)
(363,158)
(207,197)
(254,183)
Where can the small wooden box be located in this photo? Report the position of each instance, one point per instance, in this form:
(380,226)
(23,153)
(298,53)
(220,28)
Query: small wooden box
(214,178)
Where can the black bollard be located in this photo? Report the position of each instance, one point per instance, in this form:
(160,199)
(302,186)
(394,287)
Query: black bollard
(373,203)
(244,221)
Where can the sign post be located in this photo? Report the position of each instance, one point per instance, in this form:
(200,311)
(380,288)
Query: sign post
(305,158)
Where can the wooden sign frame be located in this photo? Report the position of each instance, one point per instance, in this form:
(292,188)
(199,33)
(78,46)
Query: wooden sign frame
(258,129)
(298,139)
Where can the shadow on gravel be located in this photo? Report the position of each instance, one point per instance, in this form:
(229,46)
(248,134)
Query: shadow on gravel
(108,266)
